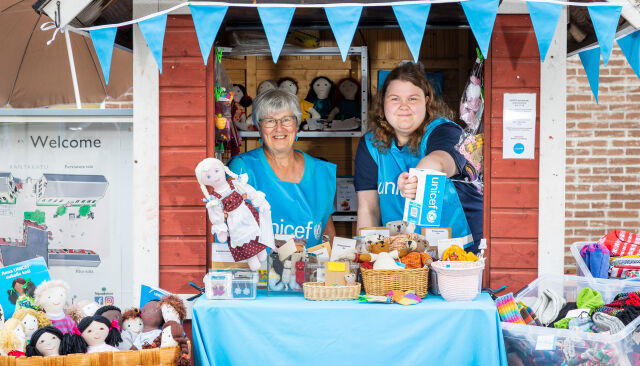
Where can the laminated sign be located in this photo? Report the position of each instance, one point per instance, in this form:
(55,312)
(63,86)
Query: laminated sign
(426,208)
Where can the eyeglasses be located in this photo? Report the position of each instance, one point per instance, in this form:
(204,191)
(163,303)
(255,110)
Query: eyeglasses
(286,121)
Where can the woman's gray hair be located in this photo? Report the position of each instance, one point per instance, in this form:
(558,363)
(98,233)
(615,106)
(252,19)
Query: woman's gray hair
(273,102)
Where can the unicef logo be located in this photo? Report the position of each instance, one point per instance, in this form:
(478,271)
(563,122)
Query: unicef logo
(431,216)
(317,231)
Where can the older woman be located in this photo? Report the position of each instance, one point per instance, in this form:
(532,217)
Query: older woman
(411,128)
(300,188)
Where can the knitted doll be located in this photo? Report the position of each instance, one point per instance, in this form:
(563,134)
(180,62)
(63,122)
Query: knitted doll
(319,91)
(32,320)
(52,297)
(83,308)
(21,293)
(266,85)
(151,315)
(131,327)
(173,336)
(290,85)
(241,101)
(46,341)
(110,312)
(233,218)
(97,334)
(172,308)
(12,338)
(345,100)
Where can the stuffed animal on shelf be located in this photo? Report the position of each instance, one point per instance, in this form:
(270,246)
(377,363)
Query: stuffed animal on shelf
(347,106)
(98,334)
(241,101)
(172,308)
(173,336)
(12,338)
(32,320)
(131,327)
(52,297)
(151,315)
(83,308)
(246,227)
(320,90)
(400,227)
(22,293)
(290,85)
(46,341)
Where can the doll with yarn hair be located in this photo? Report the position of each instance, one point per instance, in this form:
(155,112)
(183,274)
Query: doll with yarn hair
(246,227)
(241,101)
(31,320)
(290,85)
(320,91)
(97,334)
(52,297)
(22,293)
(46,341)
(131,326)
(81,309)
(151,322)
(12,338)
(173,336)
(172,308)
(110,312)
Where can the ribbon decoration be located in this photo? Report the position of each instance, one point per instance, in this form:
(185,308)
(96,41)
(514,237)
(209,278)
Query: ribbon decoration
(412,19)
(103,40)
(153,32)
(630,46)
(605,23)
(343,21)
(207,21)
(481,15)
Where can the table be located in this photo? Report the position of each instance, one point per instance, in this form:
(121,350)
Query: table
(289,330)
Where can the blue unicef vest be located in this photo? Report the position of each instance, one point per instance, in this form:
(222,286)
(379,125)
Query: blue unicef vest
(299,209)
(396,161)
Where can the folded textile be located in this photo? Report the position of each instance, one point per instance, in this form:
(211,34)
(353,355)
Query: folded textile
(548,306)
(589,299)
(605,322)
(621,243)
(562,323)
(628,314)
(584,324)
(565,310)
(508,309)
(596,257)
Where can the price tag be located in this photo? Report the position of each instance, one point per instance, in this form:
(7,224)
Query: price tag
(546,343)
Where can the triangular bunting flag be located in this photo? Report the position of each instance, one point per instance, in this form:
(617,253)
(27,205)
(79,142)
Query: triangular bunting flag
(412,19)
(591,63)
(343,21)
(605,22)
(275,22)
(481,15)
(207,20)
(103,44)
(630,46)
(153,32)
(544,17)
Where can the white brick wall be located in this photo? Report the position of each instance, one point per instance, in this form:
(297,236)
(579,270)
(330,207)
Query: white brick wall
(603,152)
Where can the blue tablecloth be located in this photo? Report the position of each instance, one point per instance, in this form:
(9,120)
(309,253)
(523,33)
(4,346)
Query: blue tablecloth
(289,330)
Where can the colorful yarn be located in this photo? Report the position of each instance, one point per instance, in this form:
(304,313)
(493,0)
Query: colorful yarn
(404,298)
(528,319)
(508,309)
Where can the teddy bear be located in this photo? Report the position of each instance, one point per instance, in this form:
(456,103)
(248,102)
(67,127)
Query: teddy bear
(400,227)
(379,254)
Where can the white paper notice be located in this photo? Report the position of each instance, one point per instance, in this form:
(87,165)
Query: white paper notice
(519,126)
(341,246)
(546,343)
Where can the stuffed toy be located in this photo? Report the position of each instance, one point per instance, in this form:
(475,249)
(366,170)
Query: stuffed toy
(97,334)
(400,227)
(266,85)
(172,335)
(12,338)
(131,327)
(379,255)
(350,279)
(411,242)
(110,312)
(81,309)
(46,341)
(275,273)
(32,320)
(235,220)
(416,260)
(472,101)
(151,315)
(319,91)
(347,106)
(52,297)
(172,308)
(456,253)
(22,293)
(290,85)
(241,101)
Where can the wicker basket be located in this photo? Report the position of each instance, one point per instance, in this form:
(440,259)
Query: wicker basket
(146,357)
(458,281)
(318,291)
(380,281)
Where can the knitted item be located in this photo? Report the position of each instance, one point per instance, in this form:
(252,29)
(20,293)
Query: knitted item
(416,260)
(628,314)
(589,299)
(606,322)
(456,253)
(548,306)
(583,324)
(528,319)
(565,310)
(508,309)
(562,323)
(596,257)
(621,243)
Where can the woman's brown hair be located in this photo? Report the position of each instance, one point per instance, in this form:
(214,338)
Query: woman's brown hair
(383,133)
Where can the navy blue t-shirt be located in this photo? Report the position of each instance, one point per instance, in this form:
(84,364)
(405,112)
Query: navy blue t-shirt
(445,138)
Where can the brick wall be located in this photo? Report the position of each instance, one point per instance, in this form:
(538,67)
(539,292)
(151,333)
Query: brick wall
(603,153)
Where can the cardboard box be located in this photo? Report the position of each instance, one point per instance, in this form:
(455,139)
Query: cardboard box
(426,208)
(346,199)
(334,273)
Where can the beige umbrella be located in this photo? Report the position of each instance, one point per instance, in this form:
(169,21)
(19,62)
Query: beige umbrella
(33,74)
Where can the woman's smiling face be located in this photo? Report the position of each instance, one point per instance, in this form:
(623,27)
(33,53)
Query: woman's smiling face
(405,107)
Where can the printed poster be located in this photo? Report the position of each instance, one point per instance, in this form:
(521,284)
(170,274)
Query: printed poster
(519,126)
(65,196)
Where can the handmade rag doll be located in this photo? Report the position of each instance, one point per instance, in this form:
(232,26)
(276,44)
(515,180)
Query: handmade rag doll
(31,320)
(83,308)
(172,308)
(266,85)
(52,297)
(99,334)
(345,101)
(241,101)
(131,327)
(12,338)
(22,292)
(151,315)
(290,85)
(173,336)
(319,91)
(46,341)
(235,220)
(110,312)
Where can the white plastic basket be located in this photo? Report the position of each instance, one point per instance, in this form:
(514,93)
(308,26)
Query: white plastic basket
(581,266)
(458,280)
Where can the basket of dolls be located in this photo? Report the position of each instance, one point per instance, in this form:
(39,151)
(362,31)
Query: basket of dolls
(146,357)
(379,282)
(458,280)
(319,291)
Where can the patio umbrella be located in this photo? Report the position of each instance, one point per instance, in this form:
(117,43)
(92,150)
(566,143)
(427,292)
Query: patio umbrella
(33,74)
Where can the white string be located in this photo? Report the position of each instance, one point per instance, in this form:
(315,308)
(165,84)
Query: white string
(49,26)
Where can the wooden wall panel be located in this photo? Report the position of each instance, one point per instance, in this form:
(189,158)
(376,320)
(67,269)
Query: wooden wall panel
(182,131)
(183,221)
(180,192)
(177,251)
(511,186)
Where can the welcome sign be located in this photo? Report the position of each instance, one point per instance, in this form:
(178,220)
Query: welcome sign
(426,208)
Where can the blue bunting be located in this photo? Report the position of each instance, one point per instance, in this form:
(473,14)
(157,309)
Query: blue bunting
(207,20)
(605,23)
(591,63)
(481,15)
(103,44)
(275,22)
(153,31)
(344,21)
(630,46)
(544,17)
(412,19)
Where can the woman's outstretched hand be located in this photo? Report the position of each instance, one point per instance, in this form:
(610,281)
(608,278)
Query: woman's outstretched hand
(407,185)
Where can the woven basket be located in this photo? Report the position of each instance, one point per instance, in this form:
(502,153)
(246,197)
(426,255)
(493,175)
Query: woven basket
(458,280)
(146,357)
(379,282)
(318,291)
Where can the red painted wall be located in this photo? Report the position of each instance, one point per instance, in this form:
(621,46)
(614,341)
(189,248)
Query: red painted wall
(511,186)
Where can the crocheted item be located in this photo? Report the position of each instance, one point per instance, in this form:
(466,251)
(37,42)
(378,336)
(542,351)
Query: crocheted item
(606,322)
(416,260)
(589,299)
(508,309)
(584,324)
(455,253)
(404,298)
